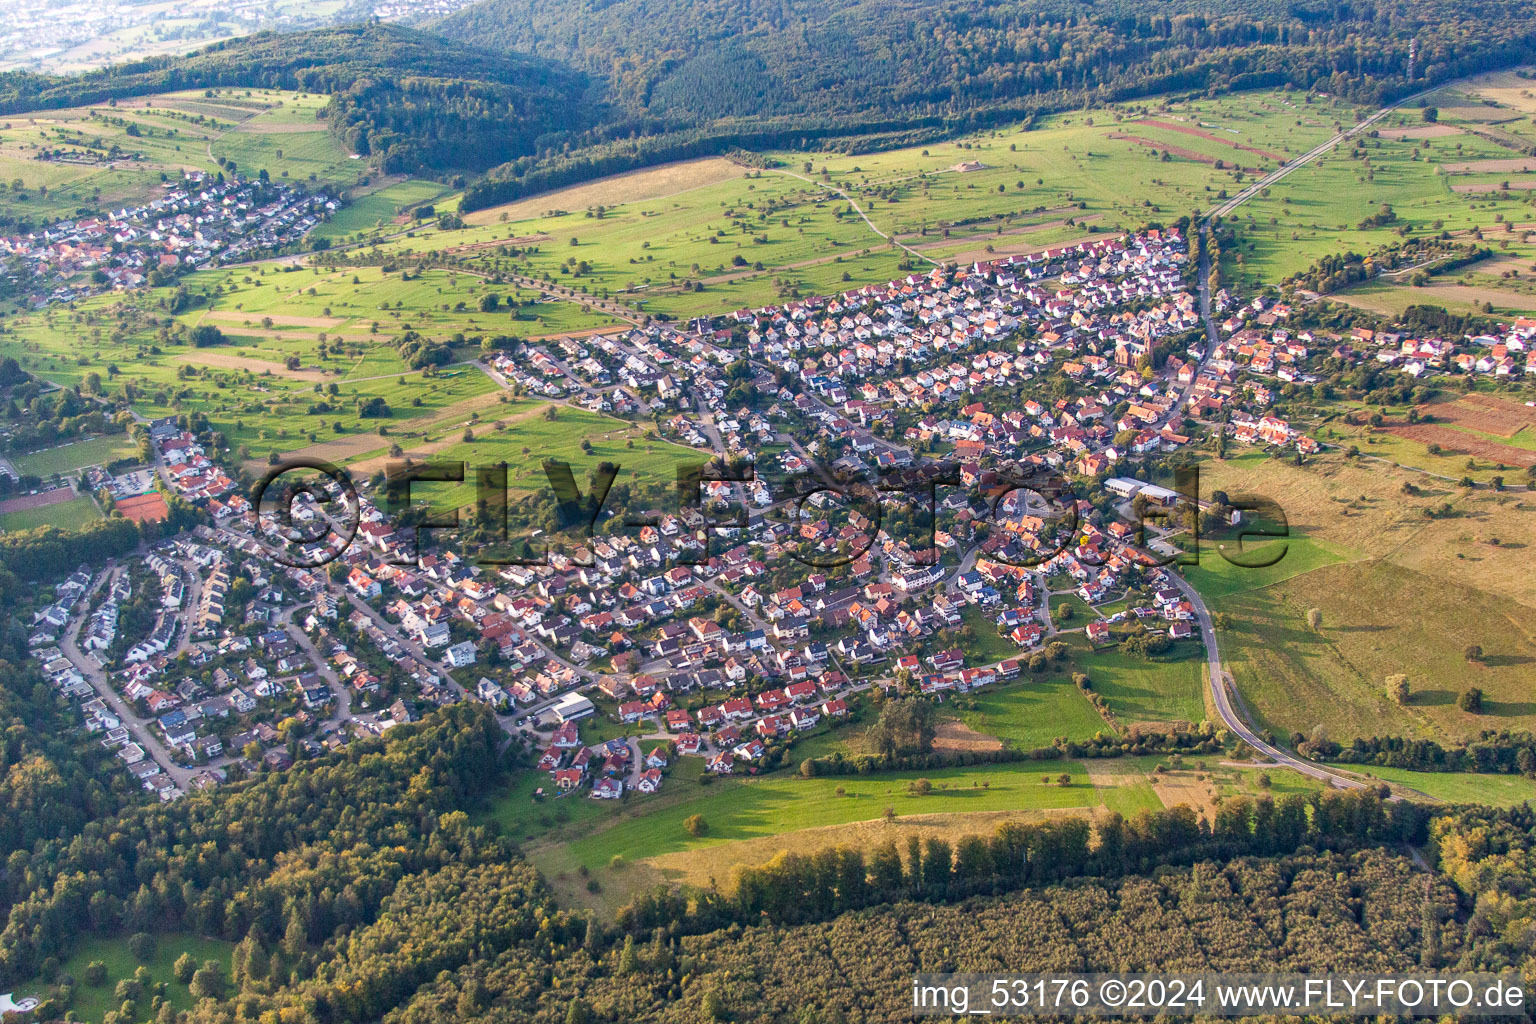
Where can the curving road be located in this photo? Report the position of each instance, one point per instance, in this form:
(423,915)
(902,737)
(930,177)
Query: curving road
(1220,680)
(1221,695)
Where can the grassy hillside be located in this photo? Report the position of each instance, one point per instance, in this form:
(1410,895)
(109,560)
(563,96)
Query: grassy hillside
(1396,591)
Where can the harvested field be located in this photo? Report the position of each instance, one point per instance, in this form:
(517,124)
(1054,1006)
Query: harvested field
(1478,113)
(1487,414)
(54,497)
(715,864)
(1524,184)
(1163,147)
(336,450)
(238,317)
(279,128)
(1497,166)
(1211,137)
(1456,442)
(1426,131)
(631,187)
(960,737)
(1505,88)
(1175,788)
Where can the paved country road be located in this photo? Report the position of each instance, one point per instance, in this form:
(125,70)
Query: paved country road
(1221,683)
(1312,154)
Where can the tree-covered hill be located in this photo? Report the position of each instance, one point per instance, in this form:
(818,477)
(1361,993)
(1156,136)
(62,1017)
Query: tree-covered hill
(709,59)
(705,76)
(408,100)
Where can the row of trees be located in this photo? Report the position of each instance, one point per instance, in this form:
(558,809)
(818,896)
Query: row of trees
(797,887)
(1501,751)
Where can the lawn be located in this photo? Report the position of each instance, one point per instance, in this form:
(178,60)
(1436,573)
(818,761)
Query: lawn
(786,803)
(1170,688)
(1456,787)
(1081,612)
(1034,711)
(986,646)
(92,1002)
(67,515)
(68,457)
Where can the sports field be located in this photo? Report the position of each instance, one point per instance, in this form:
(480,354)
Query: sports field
(66,515)
(73,455)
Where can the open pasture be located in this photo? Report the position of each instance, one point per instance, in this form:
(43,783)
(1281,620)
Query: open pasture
(708,236)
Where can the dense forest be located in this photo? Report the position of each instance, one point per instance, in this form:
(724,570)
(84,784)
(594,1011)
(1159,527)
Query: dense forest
(358,887)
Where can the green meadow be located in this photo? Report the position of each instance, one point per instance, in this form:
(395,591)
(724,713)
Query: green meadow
(1218,574)
(68,457)
(793,229)
(1456,787)
(378,208)
(1034,711)
(781,803)
(67,515)
(92,1002)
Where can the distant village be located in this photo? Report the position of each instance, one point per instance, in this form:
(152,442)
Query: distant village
(200,220)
